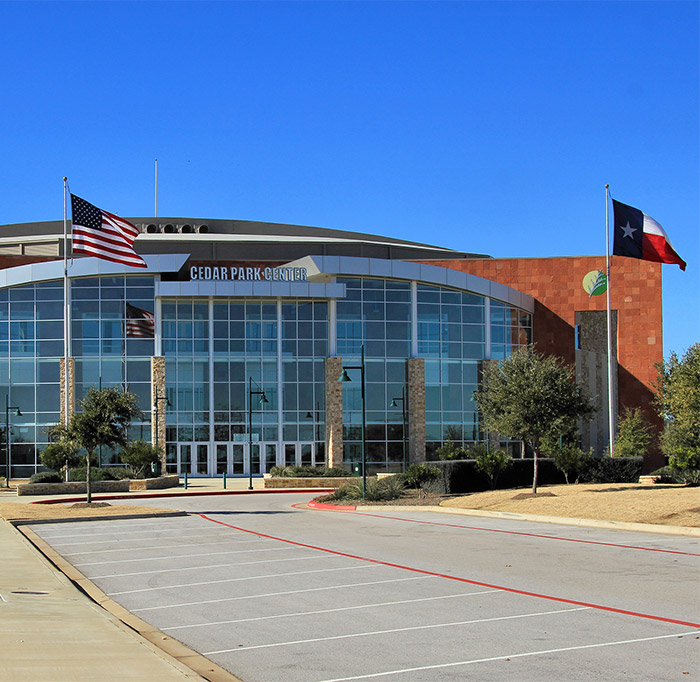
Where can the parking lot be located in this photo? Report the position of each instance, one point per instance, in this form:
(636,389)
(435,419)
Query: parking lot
(273,591)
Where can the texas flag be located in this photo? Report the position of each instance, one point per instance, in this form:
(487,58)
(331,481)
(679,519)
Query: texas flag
(638,235)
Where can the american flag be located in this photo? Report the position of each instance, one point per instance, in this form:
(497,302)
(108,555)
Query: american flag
(101,234)
(140,323)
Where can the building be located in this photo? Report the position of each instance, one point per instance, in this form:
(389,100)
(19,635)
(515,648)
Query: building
(253,324)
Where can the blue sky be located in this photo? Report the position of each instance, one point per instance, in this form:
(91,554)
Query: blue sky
(489,127)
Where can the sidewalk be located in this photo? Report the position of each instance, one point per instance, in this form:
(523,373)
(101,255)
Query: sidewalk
(50,630)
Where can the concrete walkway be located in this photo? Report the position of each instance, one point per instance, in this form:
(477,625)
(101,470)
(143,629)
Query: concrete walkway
(50,630)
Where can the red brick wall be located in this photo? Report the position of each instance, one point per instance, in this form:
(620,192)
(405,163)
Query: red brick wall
(555,283)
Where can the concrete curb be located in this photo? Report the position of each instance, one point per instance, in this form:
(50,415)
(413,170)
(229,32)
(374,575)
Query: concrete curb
(160,643)
(537,518)
(113,517)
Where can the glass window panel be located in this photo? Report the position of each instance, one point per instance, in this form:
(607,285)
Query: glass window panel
(49,310)
(23,397)
(138,370)
(48,371)
(22,371)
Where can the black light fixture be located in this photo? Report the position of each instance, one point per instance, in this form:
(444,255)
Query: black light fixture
(261,401)
(8,457)
(395,403)
(343,378)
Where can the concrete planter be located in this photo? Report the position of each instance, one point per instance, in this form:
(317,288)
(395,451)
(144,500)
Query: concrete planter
(77,487)
(648,480)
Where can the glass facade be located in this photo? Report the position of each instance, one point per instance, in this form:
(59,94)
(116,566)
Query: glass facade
(223,353)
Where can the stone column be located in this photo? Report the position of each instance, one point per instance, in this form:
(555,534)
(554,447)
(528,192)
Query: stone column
(334,412)
(71,388)
(416,410)
(158,389)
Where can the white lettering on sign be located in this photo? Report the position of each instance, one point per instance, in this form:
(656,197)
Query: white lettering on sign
(248,274)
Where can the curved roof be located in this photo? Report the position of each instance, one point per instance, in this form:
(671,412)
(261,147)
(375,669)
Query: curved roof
(239,240)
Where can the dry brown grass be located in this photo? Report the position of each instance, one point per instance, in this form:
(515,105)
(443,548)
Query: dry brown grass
(673,505)
(21,510)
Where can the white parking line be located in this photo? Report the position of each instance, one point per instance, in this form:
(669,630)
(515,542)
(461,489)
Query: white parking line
(194,568)
(253,577)
(54,536)
(344,608)
(509,657)
(314,589)
(182,556)
(196,535)
(394,630)
(141,549)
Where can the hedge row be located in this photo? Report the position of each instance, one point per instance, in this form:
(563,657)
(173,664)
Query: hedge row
(461,476)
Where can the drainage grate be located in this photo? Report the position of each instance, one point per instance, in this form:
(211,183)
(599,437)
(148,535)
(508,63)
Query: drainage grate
(27,592)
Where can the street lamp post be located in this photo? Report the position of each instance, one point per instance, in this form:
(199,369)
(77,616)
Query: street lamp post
(343,378)
(263,399)
(8,458)
(394,402)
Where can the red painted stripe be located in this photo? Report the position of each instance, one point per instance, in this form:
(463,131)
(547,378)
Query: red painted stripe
(329,507)
(532,535)
(478,583)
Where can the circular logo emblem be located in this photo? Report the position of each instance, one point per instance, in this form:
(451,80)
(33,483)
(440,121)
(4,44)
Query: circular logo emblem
(595,283)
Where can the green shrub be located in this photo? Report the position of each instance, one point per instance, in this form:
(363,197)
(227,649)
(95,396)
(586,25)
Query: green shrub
(492,464)
(390,488)
(140,457)
(96,474)
(46,477)
(308,472)
(119,473)
(417,476)
(685,462)
(611,470)
(570,460)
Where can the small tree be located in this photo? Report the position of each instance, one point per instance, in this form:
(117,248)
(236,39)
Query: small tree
(678,402)
(634,435)
(140,456)
(104,420)
(450,450)
(60,454)
(529,396)
(492,464)
(570,460)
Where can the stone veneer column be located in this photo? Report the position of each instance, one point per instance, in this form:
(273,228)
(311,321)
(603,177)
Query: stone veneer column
(158,389)
(416,410)
(71,388)
(334,412)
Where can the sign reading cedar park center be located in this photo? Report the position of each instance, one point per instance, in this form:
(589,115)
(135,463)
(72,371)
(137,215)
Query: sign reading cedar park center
(247,273)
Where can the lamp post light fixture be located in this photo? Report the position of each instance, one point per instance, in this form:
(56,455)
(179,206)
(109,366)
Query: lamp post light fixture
(262,401)
(343,378)
(8,457)
(316,416)
(394,403)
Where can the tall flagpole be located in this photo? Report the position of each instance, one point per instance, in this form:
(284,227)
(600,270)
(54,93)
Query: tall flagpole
(66,305)
(155,214)
(611,411)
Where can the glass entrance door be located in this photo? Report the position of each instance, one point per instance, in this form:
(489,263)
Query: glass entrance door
(300,454)
(233,458)
(193,458)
